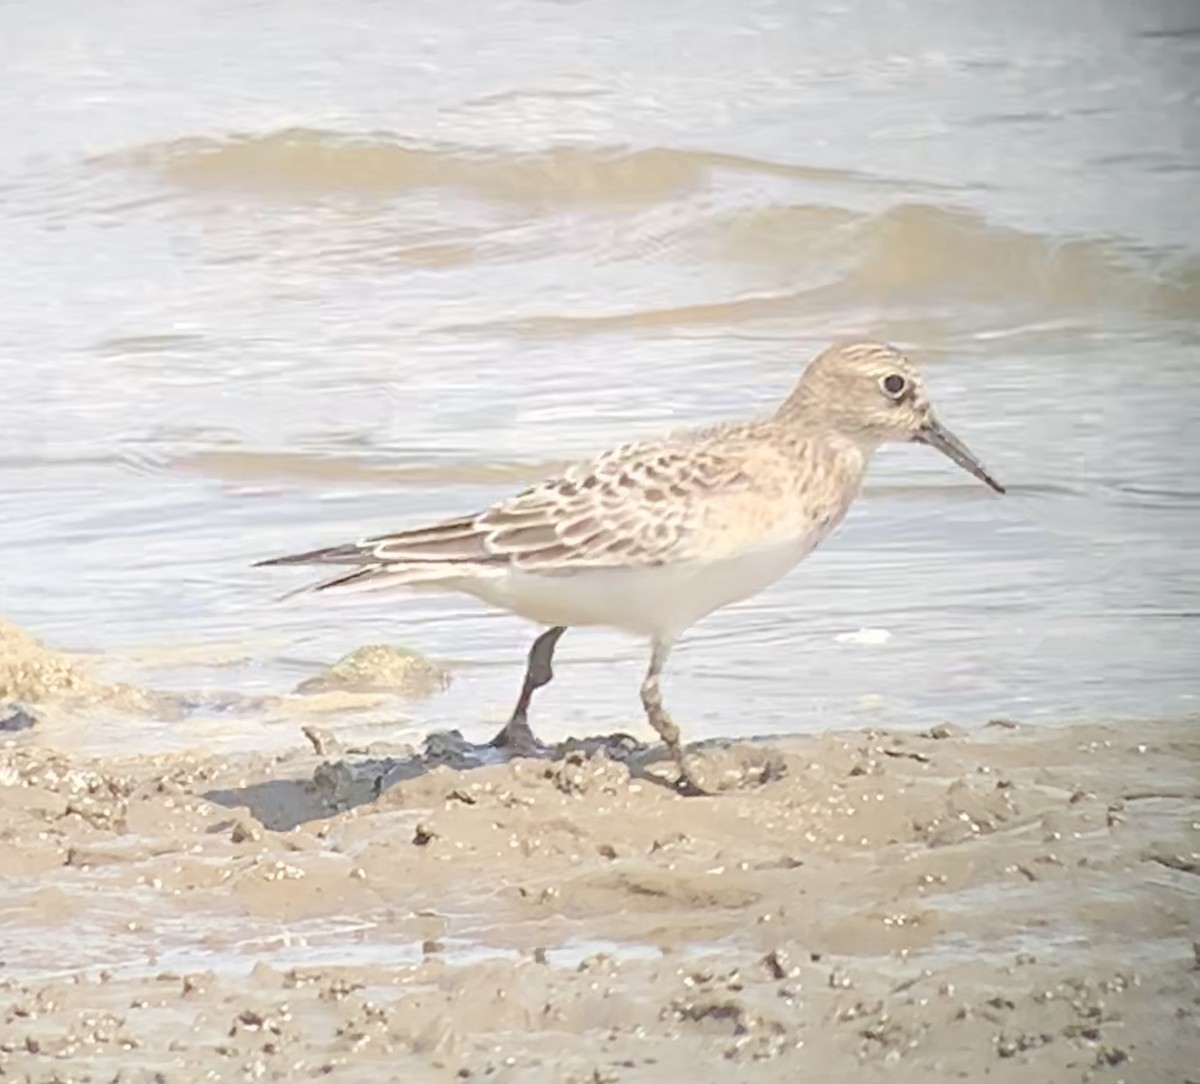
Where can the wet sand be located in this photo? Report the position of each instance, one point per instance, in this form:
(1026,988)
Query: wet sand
(1016,903)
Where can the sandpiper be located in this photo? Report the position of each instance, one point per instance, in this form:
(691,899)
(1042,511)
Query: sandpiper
(652,536)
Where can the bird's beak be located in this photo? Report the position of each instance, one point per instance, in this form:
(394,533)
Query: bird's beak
(938,436)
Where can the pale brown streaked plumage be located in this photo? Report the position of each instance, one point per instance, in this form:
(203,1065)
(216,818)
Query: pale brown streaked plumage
(652,536)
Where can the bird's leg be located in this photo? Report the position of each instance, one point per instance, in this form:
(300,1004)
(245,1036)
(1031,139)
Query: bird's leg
(660,650)
(517,734)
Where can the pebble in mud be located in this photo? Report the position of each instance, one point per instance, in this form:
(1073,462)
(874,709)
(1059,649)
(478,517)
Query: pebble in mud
(580,774)
(14,718)
(246,830)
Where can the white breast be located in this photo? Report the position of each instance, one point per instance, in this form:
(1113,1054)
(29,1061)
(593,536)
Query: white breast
(653,601)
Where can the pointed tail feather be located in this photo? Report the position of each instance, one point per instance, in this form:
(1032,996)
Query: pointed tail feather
(351,554)
(379,577)
(323,585)
(422,558)
(345,579)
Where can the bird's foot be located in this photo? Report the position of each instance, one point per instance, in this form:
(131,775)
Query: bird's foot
(686,784)
(687,787)
(516,738)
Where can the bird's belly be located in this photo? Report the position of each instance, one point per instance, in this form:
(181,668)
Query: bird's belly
(650,601)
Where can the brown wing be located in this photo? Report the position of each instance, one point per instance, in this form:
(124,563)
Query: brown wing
(639,504)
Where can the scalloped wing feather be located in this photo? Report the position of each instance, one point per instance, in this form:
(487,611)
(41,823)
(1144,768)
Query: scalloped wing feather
(635,505)
(639,505)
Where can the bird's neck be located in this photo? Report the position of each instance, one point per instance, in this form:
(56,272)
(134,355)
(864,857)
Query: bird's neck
(811,404)
(803,424)
(825,452)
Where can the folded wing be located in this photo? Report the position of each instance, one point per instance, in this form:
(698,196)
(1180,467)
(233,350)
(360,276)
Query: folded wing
(637,505)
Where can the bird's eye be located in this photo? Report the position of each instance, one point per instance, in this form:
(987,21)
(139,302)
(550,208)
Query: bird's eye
(894,384)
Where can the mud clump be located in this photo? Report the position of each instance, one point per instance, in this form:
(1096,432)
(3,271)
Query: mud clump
(380,668)
(31,673)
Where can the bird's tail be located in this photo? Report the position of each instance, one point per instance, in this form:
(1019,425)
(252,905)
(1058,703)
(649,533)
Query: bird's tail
(368,573)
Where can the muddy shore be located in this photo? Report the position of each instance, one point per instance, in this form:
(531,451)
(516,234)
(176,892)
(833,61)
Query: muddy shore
(1011,904)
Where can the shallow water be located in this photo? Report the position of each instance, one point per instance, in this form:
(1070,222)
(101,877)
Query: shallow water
(276,276)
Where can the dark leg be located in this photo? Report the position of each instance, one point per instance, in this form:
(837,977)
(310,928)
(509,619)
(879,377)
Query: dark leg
(660,650)
(517,734)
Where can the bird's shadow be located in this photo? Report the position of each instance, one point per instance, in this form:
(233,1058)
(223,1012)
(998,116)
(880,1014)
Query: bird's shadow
(350,778)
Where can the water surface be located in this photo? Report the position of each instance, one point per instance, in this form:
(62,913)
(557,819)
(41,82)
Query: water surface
(279,275)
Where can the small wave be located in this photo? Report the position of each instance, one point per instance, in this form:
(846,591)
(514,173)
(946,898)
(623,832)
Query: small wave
(916,254)
(816,256)
(248,465)
(1180,33)
(304,161)
(921,250)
